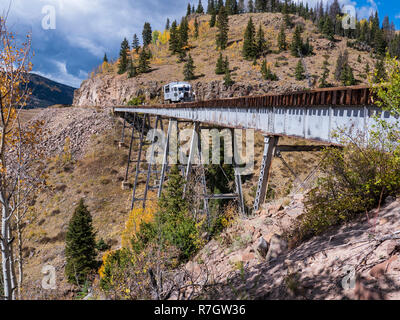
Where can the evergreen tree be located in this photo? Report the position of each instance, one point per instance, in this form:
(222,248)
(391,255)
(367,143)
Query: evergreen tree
(297,42)
(299,72)
(323,83)
(249,44)
(80,246)
(241,7)
(223,28)
(144,63)
(210,6)
(380,42)
(200,9)
(135,43)
(227,78)
(260,5)
(147,34)
(213,19)
(327,29)
(196,28)
(251,6)
(189,10)
(123,57)
(219,4)
(183,34)
(188,69)
(266,72)
(282,44)
(167,25)
(220,67)
(379,72)
(367,69)
(342,61)
(132,70)
(261,43)
(105,59)
(347,76)
(174,38)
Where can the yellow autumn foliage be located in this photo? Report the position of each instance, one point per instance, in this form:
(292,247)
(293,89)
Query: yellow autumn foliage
(164,37)
(136,218)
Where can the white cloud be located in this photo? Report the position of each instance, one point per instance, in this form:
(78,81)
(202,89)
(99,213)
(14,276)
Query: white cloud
(397,16)
(63,76)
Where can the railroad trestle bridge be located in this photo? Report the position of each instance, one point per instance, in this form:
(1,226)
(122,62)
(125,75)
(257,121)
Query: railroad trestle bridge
(311,115)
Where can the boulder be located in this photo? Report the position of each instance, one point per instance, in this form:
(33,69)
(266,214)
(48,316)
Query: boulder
(277,246)
(262,247)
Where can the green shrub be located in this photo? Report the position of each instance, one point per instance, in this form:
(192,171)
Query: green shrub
(101,245)
(136,101)
(354,181)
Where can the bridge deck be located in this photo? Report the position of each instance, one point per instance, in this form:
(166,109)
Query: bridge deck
(312,115)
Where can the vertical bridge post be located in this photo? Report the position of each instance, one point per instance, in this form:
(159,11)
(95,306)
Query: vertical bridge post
(164,167)
(270,143)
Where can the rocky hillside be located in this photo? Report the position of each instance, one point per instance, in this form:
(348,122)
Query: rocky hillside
(107,88)
(46,92)
(251,260)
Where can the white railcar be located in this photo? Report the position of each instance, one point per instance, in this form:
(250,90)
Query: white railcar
(178,92)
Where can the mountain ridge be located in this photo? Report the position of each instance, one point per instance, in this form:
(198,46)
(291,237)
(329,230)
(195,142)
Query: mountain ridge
(46,92)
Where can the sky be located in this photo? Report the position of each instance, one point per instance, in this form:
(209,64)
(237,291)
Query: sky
(70,37)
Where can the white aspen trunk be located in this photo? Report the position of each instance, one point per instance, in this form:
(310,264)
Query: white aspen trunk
(12,263)
(5,251)
(20,262)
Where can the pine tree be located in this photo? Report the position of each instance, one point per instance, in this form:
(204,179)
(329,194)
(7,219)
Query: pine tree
(196,28)
(200,9)
(380,42)
(241,7)
(251,6)
(223,28)
(282,44)
(261,43)
(297,42)
(80,246)
(123,57)
(323,83)
(249,45)
(174,38)
(177,226)
(183,34)
(189,10)
(347,76)
(342,61)
(327,29)
(135,43)
(105,59)
(213,18)
(367,68)
(379,72)
(132,70)
(210,6)
(267,73)
(227,78)
(220,67)
(147,34)
(144,63)
(188,69)
(299,72)
(167,25)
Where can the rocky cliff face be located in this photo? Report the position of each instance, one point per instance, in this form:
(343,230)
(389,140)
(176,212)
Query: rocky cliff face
(107,91)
